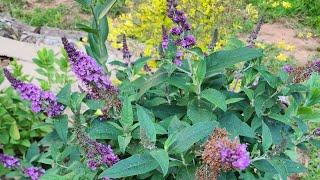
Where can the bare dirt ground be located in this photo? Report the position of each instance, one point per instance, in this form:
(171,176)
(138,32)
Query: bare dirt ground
(304,48)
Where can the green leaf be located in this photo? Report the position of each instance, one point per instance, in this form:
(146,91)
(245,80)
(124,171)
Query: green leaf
(126,113)
(266,137)
(215,97)
(14,131)
(32,152)
(235,126)
(124,142)
(272,80)
(139,64)
(64,95)
(233,100)
(106,7)
(76,100)
(134,165)
(86,28)
(162,157)
(146,120)
(103,130)
(95,104)
(184,139)
(201,70)
(152,81)
(61,127)
(218,61)
(198,112)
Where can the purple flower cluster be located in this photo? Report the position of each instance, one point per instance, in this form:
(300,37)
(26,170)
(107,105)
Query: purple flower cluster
(34,172)
(237,158)
(183,39)
(316,132)
(125,50)
(9,161)
(87,70)
(165,38)
(41,101)
(97,153)
(288,68)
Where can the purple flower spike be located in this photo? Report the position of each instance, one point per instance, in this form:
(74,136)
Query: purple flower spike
(176,31)
(87,70)
(178,59)
(288,68)
(9,161)
(41,101)
(34,172)
(186,26)
(188,41)
(165,38)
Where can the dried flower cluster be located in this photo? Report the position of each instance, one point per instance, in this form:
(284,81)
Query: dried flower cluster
(181,31)
(125,50)
(34,172)
(302,73)
(254,35)
(9,161)
(222,154)
(97,153)
(41,101)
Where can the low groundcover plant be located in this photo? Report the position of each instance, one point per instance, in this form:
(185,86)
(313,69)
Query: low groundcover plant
(182,120)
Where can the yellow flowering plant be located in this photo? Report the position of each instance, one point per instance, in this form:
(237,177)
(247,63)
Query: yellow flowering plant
(145,22)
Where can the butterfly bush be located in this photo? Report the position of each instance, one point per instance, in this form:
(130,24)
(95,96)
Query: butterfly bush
(96,153)
(88,70)
(180,31)
(222,154)
(34,172)
(9,161)
(41,101)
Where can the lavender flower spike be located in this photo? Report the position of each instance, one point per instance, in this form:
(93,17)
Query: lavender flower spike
(87,69)
(41,101)
(34,172)
(165,38)
(9,161)
(288,68)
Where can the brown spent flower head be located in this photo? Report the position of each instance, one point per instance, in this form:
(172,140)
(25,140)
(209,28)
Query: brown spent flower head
(222,154)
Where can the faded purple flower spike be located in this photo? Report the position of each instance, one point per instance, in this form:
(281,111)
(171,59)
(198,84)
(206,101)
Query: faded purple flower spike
(34,172)
(41,101)
(288,68)
(165,38)
(125,50)
(87,70)
(9,161)
(178,59)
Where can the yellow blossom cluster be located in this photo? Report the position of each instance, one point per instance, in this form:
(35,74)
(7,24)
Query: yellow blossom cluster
(288,47)
(145,19)
(280,3)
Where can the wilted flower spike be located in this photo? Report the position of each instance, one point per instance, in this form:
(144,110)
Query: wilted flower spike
(222,154)
(41,101)
(9,161)
(34,172)
(125,50)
